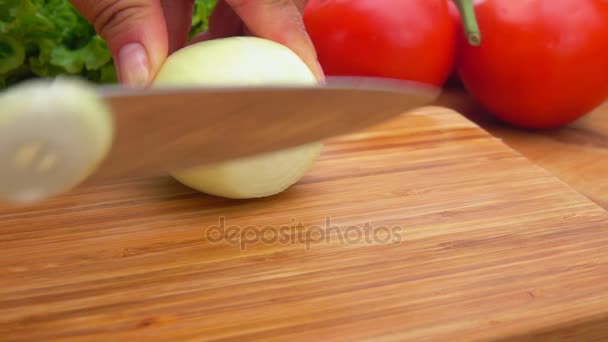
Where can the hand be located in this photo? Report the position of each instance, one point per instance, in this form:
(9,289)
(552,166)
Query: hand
(142,33)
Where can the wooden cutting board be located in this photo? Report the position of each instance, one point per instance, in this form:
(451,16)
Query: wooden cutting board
(425,228)
(576,153)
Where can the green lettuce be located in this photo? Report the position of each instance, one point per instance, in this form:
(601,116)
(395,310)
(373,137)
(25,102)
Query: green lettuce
(48,38)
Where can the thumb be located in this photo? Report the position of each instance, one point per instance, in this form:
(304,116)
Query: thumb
(280,21)
(136,33)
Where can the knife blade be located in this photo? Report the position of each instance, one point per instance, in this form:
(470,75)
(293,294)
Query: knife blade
(167,129)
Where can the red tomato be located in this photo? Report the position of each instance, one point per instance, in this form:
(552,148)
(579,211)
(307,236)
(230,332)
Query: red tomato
(404,39)
(455,13)
(541,63)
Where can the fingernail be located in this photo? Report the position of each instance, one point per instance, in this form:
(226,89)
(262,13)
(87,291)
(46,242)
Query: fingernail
(133,65)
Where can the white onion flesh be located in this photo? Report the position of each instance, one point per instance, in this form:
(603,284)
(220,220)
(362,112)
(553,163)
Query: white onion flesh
(242,61)
(53,135)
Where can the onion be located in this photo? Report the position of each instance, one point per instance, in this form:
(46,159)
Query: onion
(242,61)
(53,135)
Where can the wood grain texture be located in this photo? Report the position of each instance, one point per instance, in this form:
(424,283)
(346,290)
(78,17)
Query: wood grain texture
(485,246)
(576,153)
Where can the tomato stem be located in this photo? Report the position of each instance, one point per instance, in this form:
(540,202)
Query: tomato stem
(469,21)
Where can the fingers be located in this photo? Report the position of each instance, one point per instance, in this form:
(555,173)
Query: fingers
(177,17)
(280,21)
(223,22)
(136,33)
(300,4)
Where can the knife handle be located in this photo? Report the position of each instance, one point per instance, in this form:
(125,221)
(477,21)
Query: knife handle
(53,135)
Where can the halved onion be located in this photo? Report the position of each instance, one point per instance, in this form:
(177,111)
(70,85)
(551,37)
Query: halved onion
(242,61)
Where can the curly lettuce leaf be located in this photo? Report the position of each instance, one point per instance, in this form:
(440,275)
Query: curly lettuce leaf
(200,18)
(48,38)
(12,54)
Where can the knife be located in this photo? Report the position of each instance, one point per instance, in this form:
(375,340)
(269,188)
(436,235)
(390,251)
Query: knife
(158,130)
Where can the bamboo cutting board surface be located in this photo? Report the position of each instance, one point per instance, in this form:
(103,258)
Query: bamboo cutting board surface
(576,153)
(466,240)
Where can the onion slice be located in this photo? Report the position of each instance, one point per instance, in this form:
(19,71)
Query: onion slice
(53,135)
